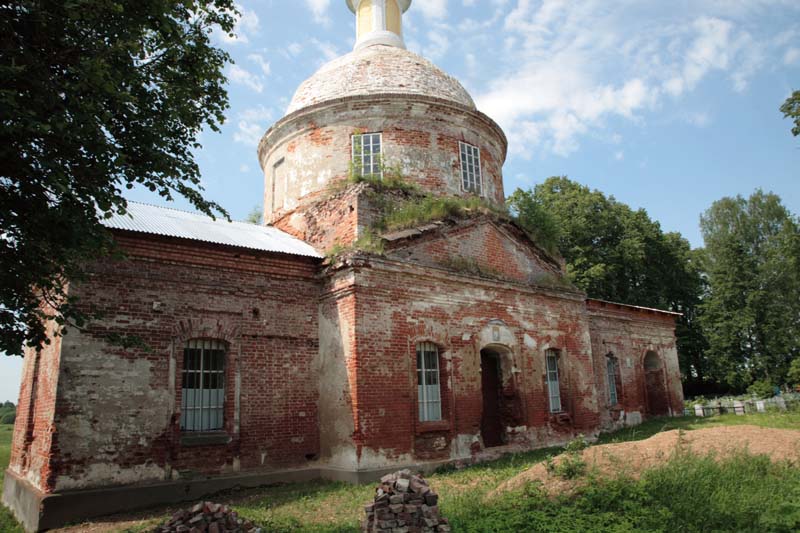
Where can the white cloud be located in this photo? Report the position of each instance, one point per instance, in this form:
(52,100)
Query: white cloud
(248,133)
(259,60)
(294,49)
(243,168)
(253,122)
(437,46)
(791,56)
(328,50)
(619,156)
(246,23)
(568,68)
(433,9)
(258,113)
(319,10)
(244,77)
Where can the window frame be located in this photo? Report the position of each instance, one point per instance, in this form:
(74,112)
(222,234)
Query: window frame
(466,151)
(553,354)
(423,370)
(204,371)
(357,160)
(612,366)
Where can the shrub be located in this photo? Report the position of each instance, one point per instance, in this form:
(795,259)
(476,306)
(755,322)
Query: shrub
(794,372)
(8,418)
(761,389)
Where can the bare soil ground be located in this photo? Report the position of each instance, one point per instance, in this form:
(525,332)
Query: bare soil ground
(632,458)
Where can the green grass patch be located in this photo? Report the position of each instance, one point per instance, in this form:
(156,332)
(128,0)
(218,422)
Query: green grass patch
(428,208)
(8,523)
(689,493)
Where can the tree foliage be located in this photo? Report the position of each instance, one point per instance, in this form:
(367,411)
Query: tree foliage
(752,312)
(97,96)
(791,109)
(616,253)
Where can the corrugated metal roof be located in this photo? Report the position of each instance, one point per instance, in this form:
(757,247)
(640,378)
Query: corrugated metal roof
(145,218)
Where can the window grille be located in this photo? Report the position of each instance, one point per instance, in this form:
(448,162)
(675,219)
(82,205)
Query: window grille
(553,388)
(428,389)
(471,168)
(367,155)
(203,390)
(611,371)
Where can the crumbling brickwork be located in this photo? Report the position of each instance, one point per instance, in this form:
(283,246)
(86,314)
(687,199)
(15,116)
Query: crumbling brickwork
(118,410)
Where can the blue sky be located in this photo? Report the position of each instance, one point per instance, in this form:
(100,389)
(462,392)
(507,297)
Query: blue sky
(668,106)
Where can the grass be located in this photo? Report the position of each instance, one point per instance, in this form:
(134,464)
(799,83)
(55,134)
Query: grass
(8,523)
(687,493)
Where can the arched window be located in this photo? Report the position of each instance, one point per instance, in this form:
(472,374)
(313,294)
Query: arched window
(611,377)
(203,389)
(651,361)
(553,386)
(429,394)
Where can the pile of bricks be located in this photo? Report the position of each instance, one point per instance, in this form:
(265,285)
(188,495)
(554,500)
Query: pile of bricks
(207,517)
(404,503)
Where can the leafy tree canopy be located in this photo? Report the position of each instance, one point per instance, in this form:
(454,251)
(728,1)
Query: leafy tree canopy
(752,312)
(791,109)
(96,97)
(616,253)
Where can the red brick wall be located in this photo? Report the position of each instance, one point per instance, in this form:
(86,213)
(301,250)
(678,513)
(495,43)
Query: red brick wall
(495,248)
(34,442)
(398,305)
(117,421)
(629,333)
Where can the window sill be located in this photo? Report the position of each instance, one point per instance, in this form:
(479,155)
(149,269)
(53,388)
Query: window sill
(204,438)
(427,427)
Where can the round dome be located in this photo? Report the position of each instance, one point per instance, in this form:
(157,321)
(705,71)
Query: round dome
(377,70)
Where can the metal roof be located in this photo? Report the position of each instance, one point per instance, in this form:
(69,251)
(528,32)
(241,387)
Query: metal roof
(145,218)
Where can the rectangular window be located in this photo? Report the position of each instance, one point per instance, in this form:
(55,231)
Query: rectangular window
(367,155)
(428,389)
(553,388)
(203,390)
(611,372)
(470,168)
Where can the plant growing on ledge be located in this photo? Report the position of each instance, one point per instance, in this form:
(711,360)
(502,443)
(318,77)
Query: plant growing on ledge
(419,211)
(369,242)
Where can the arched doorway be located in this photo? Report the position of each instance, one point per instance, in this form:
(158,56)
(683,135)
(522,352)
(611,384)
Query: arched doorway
(498,394)
(655,387)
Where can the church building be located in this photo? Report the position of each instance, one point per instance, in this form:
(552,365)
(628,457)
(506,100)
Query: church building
(327,343)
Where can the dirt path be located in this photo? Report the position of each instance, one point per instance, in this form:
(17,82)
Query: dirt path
(631,458)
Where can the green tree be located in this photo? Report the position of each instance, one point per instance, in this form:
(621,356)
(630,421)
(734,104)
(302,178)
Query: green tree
(97,96)
(751,314)
(616,253)
(791,109)
(254,216)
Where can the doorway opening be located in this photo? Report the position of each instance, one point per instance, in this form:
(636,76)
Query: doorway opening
(496,403)
(657,404)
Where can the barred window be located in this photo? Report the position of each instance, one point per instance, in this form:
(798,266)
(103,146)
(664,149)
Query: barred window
(611,373)
(553,387)
(428,389)
(470,168)
(203,390)
(367,155)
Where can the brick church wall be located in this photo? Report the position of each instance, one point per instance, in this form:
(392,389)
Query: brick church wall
(398,305)
(117,416)
(628,333)
(34,443)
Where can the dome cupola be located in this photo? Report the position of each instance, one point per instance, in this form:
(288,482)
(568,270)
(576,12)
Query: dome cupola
(380,108)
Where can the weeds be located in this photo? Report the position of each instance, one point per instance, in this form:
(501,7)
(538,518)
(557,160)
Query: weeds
(571,464)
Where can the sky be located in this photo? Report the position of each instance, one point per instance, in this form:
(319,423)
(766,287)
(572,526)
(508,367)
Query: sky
(667,106)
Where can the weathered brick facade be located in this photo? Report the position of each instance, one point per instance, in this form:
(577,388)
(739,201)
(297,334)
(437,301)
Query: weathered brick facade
(320,373)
